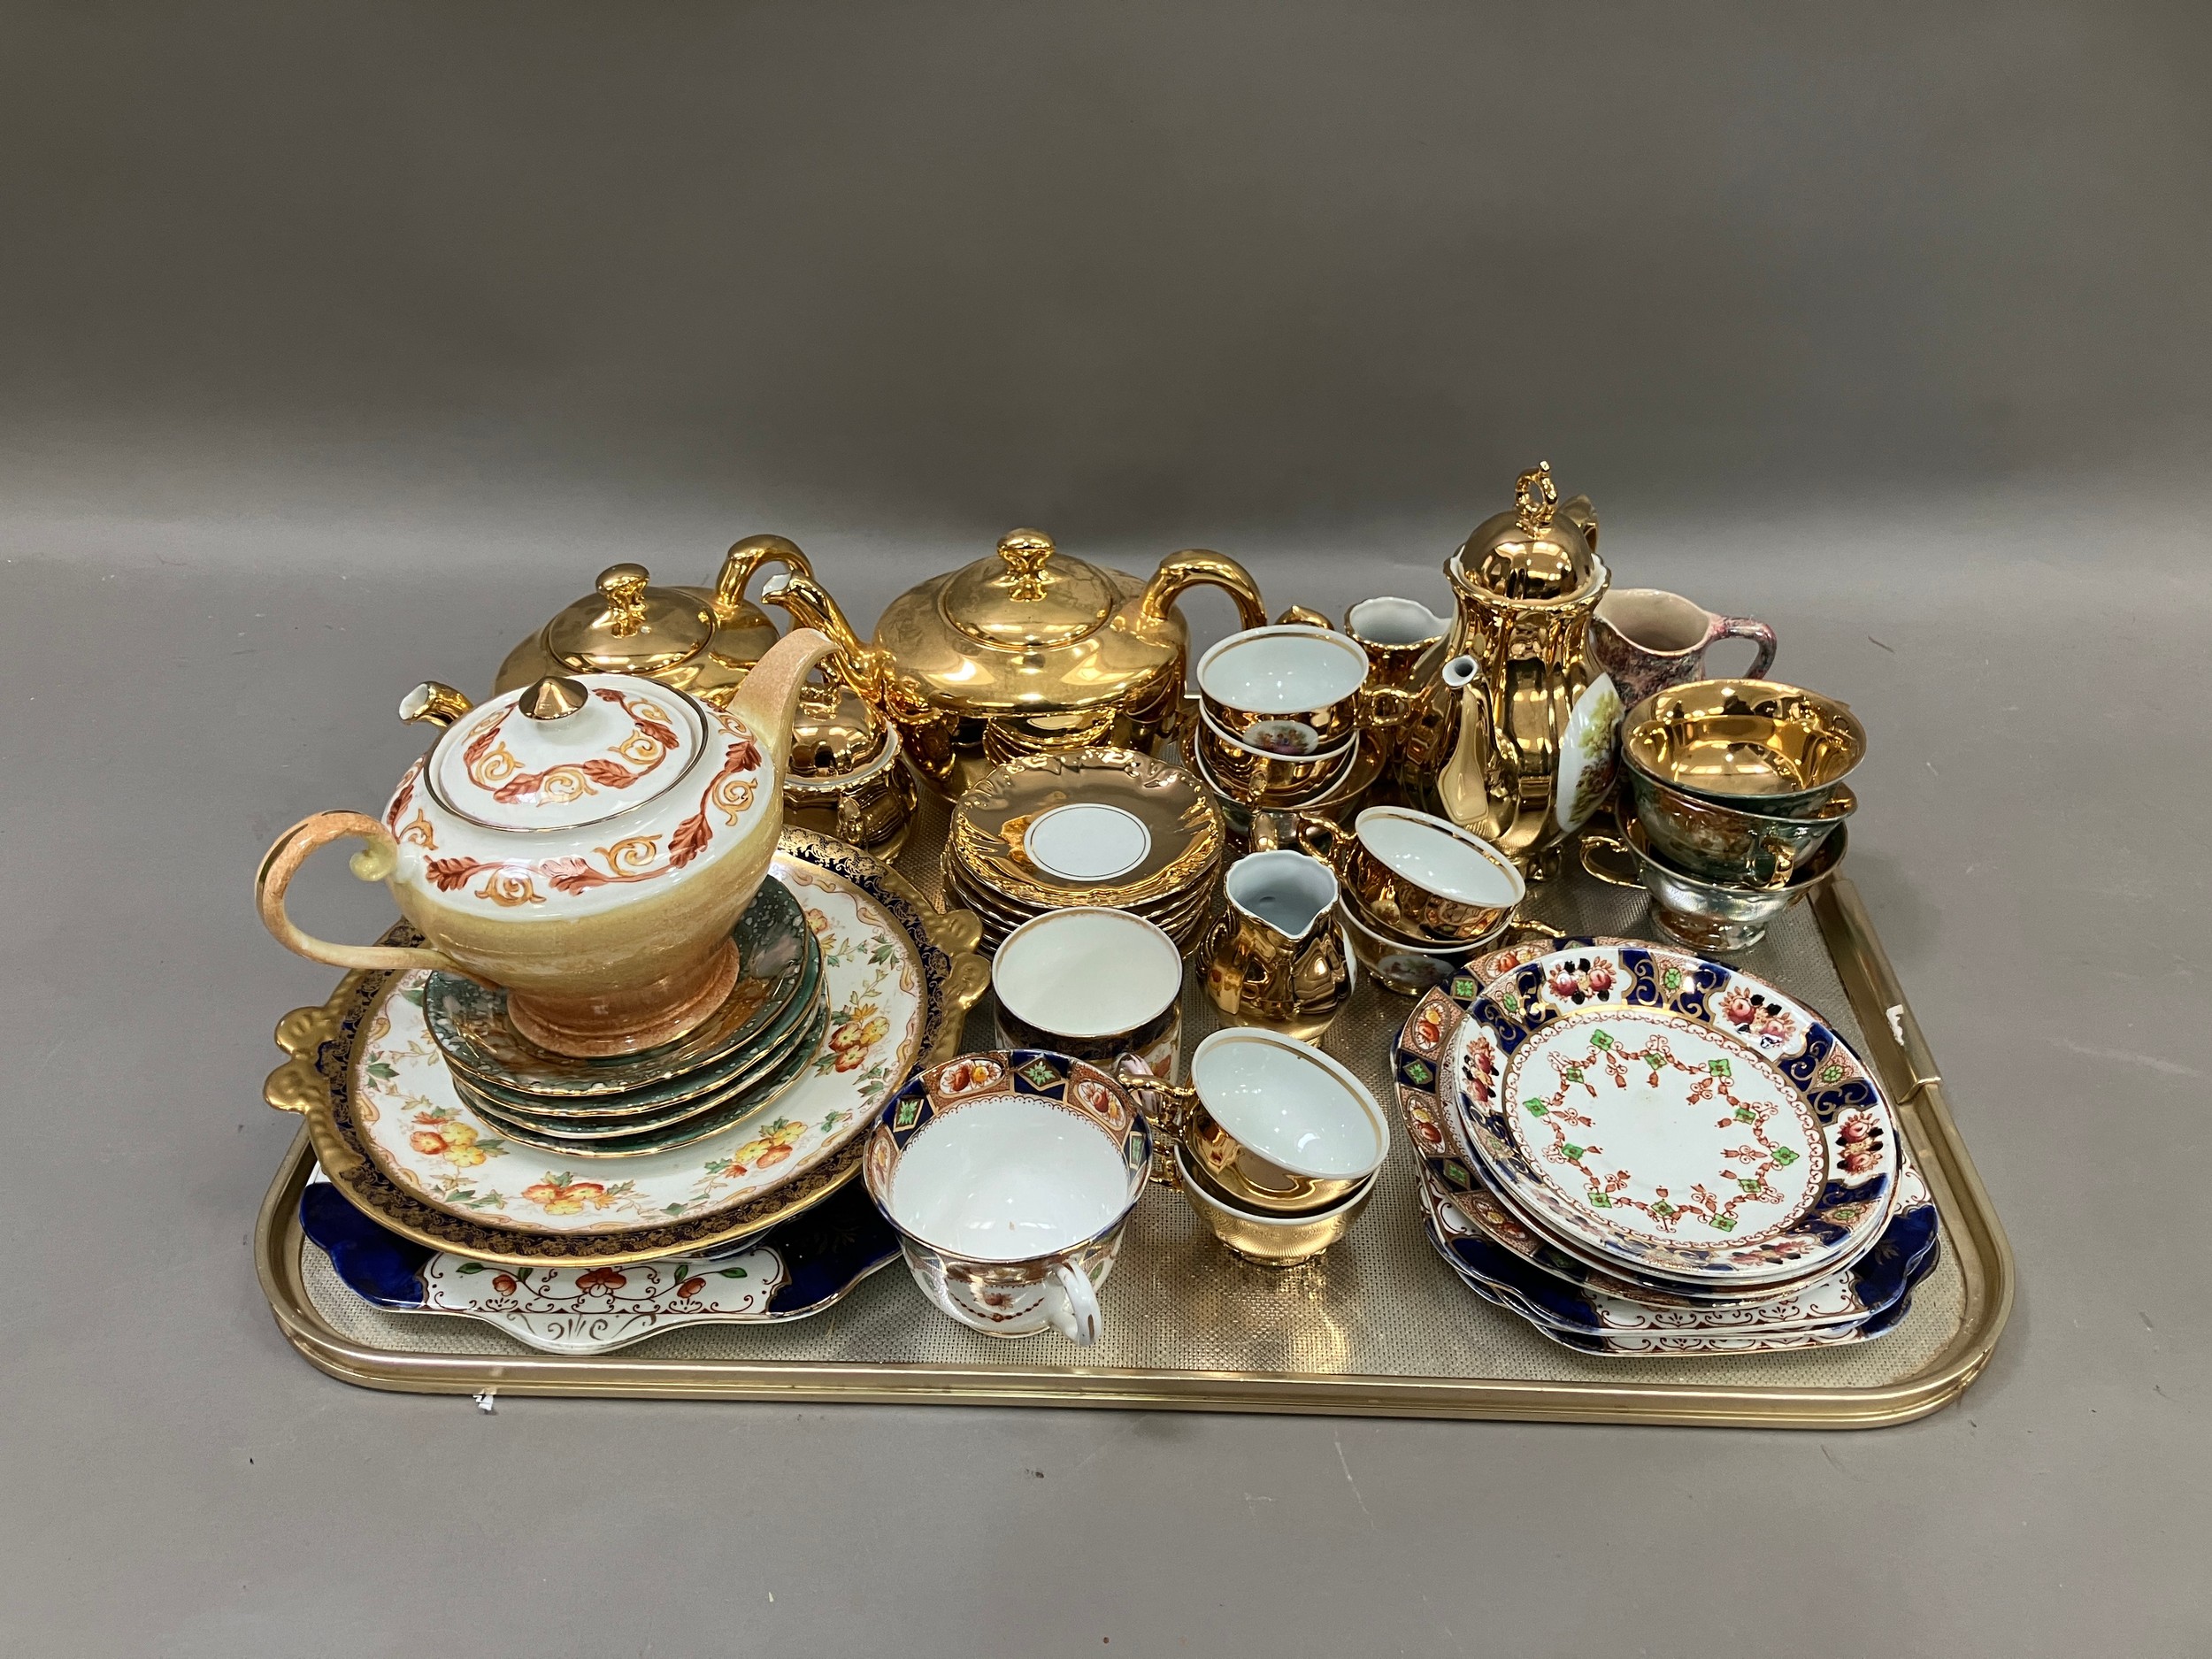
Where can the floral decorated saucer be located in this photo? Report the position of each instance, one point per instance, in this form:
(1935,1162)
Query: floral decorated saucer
(1665,1117)
(395,1137)
(792,1272)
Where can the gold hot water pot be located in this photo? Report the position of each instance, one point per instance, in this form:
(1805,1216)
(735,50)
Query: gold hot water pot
(1517,746)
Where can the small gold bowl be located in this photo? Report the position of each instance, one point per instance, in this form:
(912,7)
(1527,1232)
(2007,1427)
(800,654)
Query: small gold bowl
(1418,876)
(1269,1241)
(1754,743)
(1255,778)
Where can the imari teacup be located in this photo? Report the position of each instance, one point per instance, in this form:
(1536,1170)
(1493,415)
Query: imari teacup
(1093,983)
(1010,1177)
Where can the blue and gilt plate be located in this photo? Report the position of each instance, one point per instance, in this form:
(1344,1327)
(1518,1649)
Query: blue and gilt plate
(792,1272)
(1669,1118)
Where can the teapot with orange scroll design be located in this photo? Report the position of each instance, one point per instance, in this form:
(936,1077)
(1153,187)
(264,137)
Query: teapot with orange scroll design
(586,841)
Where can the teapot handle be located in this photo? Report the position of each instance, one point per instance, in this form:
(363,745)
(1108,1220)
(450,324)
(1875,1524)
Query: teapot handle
(747,556)
(1197,565)
(372,863)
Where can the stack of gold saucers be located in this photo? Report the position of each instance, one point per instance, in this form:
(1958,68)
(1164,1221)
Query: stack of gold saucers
(1100,826)
(753,1047)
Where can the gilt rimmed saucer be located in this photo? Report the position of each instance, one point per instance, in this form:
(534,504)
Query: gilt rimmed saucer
(1665,1116)
(469,1020)
(664,1102)
(712,1118)
(793,1271)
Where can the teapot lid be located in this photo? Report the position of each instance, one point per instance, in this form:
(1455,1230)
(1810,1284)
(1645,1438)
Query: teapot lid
(1532,552)
(1028,596)
(834,734)
(562,752)
(628,627)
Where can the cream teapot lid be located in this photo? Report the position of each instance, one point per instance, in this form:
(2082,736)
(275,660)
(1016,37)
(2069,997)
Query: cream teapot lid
(565,751)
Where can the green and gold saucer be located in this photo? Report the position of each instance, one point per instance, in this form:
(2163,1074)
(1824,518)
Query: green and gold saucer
(658,1103)
(697,1124)
(469,1021)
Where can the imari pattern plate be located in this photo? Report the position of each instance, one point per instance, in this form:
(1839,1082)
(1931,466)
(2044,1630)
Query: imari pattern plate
(1486,1241)
(792,1272)
(1672,1117)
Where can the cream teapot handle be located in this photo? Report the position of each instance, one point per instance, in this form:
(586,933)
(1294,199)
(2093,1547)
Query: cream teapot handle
(372,863)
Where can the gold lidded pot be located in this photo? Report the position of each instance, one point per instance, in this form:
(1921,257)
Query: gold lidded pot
(1055,648)
(844,778)
(1518,749)
(698,639)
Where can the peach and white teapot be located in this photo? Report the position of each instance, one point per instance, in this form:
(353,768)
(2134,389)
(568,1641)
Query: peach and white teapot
(586,841)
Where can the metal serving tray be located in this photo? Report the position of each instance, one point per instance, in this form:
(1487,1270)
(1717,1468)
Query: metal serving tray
(1379,1327)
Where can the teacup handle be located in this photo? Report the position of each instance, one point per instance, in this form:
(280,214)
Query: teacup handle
(1746,628)
(1595,843)
(1321,836)
(1072,1304)
(1167,1107)
(372,863)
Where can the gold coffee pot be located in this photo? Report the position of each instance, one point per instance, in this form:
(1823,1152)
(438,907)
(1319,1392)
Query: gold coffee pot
(695,639)
(1521,740)
(1054,650)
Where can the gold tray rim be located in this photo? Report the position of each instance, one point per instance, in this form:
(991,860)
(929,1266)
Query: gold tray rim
(1897,1050)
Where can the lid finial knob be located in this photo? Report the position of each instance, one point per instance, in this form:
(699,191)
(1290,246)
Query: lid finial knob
(1025,553)
(625,588)
(555,697)
(1536,497)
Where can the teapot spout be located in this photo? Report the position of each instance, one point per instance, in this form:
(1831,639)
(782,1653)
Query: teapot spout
(768,698)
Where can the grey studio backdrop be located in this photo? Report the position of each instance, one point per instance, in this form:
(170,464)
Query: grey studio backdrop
(342,344)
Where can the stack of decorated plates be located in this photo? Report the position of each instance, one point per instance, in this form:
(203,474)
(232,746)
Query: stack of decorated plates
(740,1060)
(436,1121)
(1640,1152)
(1101,827)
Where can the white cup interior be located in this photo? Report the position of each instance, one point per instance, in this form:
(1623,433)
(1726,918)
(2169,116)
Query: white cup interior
(1654,619)
(1007,1178)
(1282,670)
(1283,888)
(1086,972)
(1439,856)
(1290,1104)
(1394,622)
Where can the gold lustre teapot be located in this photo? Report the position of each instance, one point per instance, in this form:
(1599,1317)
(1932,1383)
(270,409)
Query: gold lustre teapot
(1522,734)
(698,639)
(586,841)
(1043,645)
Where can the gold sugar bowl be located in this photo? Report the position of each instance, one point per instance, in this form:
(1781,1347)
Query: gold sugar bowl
(844,778)
(1026,651)
(698,639)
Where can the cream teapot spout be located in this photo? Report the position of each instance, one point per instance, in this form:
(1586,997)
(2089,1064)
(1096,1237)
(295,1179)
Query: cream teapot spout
(768,699)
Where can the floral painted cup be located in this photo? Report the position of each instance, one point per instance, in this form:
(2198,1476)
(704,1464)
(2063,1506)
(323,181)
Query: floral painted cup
(1010,1177)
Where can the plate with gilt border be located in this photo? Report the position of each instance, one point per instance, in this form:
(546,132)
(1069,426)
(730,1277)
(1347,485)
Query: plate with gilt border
(1484,1241)
(1672,1118)
(884,948)
(794,1270)
(1680,1344)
